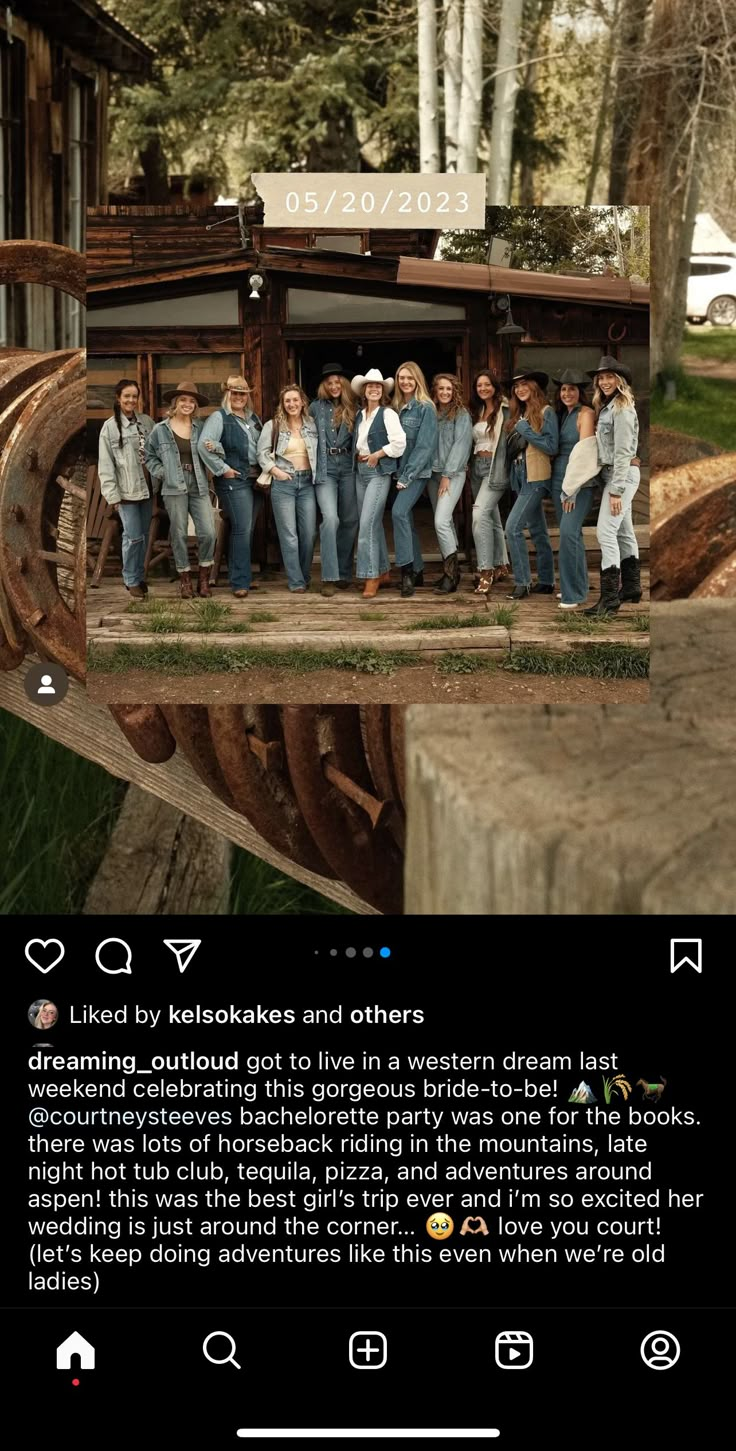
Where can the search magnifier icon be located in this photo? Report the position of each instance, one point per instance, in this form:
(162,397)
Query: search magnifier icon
(224,1360)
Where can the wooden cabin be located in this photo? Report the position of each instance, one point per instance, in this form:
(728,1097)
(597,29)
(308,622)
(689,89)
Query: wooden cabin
(56,60)
(171,296)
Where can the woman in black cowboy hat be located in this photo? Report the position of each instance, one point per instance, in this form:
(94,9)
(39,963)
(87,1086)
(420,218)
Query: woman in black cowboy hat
(172,457)
(532,440)
(333,411)
(617,438)
(576,421)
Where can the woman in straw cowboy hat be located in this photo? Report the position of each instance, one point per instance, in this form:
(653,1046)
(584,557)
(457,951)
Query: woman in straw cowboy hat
(228,446)
(576,421)
(378,440)
(333,411)
(617,437)
(172,457)
(533,440)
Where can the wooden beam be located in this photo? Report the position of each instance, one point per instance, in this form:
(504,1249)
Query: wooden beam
(90,731)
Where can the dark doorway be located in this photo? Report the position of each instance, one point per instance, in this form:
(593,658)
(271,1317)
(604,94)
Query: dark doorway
(434,355)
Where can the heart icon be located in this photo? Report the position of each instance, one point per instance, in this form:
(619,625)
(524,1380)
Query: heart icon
(50,943)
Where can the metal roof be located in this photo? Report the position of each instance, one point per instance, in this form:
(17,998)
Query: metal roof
(481,277)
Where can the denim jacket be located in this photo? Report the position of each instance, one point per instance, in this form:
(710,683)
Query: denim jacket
(617,436)
(454,443)
(164,463)
(212,432)
(320,410)
(270,457)
(419,422)
(122,479)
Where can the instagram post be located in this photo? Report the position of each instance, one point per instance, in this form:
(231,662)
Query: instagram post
(315,1186)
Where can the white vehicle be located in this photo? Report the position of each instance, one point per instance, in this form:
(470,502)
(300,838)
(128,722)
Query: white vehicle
(711,289)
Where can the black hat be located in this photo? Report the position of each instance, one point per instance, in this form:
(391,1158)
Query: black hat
(612,365)
(573,378)
(532,376)
(329,368)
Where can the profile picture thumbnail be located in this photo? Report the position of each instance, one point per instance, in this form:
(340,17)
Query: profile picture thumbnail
(43,1014)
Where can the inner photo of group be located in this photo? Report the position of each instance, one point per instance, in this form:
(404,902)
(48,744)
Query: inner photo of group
(391,448)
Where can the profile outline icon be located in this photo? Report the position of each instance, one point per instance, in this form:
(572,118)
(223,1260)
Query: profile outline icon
(46,687)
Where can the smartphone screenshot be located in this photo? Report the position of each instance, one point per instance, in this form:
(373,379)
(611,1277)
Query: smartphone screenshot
(367,1184)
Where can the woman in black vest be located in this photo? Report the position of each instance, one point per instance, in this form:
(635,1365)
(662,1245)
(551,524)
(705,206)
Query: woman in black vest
(227,445)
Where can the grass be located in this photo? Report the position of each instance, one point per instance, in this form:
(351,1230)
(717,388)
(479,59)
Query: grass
(718,343)
(206,617)
(601,662)
(58,812)
(504,615)
(174,658)
(460,662)
(704,408)
(640,623)
(261,617)
(579,624)
(258,889)
(451,622)
(371,615)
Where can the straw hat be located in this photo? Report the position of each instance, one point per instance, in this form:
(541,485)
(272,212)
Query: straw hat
(374,375)
(236,384)
(186,389)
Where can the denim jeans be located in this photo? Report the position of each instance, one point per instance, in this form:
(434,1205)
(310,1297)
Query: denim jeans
(443,507)
(179,507)
(236,501)
(616,531)
(527,513)
(488,536)
(338,504)
(295,511)
(406,539)
(135,518)
(372,490)
(573,566)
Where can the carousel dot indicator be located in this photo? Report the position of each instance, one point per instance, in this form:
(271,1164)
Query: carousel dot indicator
(350,952)
(367,951)
(385,952)
(333,952)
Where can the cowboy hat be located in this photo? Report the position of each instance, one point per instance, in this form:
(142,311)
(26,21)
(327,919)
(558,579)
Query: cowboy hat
(329,368)
(531,376)
(235,384)
(374,375)
(573,378)
(612,365)
(186,389)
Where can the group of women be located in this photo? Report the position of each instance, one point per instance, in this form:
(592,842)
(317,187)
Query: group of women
(341,453)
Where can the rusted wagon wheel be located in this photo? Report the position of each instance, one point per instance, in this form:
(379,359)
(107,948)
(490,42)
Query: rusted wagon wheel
(694,540)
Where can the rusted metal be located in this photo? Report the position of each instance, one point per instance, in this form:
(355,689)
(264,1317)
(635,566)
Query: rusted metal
(146,730)
(46,263)
(694,540)
(376,728)
(378,812)
(189,724)
(720,583)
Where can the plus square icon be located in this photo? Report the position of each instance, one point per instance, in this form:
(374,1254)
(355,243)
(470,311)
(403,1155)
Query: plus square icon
(368,1349)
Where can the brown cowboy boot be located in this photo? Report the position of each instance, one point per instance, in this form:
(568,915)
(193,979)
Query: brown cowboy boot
(185,585)
(203,583)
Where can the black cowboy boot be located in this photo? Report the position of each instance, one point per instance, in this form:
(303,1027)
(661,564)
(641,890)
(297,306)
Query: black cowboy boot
(407,581)
(608,602)
(630,580)
(451,574)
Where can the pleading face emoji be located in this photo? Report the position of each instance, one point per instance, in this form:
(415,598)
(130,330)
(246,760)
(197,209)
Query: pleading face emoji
(439,1225)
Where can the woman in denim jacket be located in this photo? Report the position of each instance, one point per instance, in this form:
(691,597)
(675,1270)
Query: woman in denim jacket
(617,437)
(228,446)
(123,480)
(378,440)
(333,411)
(576,421)
(449,466)
(489,480)
(418,419)
(287,450)
(172,457)
(532,419)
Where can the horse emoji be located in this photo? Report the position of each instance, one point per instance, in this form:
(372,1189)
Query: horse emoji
(652,1091)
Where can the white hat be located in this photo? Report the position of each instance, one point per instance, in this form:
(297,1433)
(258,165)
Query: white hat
(374,375)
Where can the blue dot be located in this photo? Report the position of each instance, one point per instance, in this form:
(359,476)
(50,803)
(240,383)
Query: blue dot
(385,952)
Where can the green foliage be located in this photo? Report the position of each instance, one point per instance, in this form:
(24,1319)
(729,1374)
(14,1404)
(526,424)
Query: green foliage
(460,662)
(602,662)
(176,658)
(704,408)
(258,889)
(551,239)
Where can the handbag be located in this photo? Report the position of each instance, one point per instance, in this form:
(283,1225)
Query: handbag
(515,444)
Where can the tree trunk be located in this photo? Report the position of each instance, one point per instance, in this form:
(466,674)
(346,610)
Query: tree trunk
(429,125)
(472,86)
(453,77)
(338,148)
(629,40)
(155,173)
(504,104)
(537,39)
(603,109)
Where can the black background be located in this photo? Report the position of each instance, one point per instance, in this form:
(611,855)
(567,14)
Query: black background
(545,986)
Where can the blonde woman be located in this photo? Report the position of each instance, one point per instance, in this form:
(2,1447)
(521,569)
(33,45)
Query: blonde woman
(47,1015)
(378,440)
(287,450)
(418,419)
(333,411)
(449,465)
(172,458)
(532,441)
(617,437)
(228,446)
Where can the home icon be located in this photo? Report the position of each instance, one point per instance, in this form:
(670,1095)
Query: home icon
(75,1344)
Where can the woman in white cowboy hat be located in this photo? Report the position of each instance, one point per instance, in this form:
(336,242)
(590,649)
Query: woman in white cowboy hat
(333,411)
(576,421)
(378,439)
(172,457)
(532,441)
(617,437)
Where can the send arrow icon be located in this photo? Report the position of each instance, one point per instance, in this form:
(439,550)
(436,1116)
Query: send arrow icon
(183,949)
(686,952)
